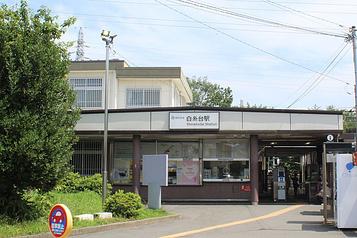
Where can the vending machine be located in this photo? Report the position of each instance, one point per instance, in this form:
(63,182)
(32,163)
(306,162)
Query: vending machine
(279,176)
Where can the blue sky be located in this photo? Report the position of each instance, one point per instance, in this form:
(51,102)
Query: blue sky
(150,34)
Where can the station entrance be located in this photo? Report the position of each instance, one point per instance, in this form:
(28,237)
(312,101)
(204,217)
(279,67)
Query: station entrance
(290,171)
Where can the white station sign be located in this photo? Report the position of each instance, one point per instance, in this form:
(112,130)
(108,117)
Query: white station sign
(194,120)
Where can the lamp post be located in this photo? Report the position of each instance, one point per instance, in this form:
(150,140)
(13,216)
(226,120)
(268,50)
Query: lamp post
(108,41)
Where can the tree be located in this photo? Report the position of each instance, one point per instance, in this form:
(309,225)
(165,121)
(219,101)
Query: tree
(37,114)
(349,121)
(209,94)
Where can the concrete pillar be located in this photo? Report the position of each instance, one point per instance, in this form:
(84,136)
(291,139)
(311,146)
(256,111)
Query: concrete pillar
(254,167)
(136,163)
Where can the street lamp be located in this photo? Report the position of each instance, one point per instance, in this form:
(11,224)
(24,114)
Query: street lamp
(108,41)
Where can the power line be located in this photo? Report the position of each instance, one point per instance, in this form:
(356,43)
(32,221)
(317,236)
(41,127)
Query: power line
(302,3)
(301,12)
(301,87)
(318,80)
(256,19)
(189,26)
(201,27)
(164,19)
(238,8)
(250,45)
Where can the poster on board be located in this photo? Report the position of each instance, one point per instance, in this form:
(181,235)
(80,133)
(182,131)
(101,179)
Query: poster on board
(189,173)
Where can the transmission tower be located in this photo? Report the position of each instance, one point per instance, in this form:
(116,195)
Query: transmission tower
(80,46)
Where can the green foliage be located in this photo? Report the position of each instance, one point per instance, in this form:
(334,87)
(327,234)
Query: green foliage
(29,205)
(122,204)
(37,116)
(94,183)
(74,182)
(79,202)
(209,94)
(39,203)
(349,121)
(248,105)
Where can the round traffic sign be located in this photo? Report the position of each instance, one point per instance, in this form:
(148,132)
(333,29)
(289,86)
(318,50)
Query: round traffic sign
(330,138)
(60,221)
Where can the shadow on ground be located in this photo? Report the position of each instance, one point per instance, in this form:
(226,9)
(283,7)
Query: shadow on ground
(311,213)
(349,233)
(316,226)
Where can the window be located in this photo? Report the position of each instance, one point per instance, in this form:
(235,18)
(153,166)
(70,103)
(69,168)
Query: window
(221,170)
(226,160)
(87,157)
(89,92)
(142,97)
(122,172)
(227,149)
(184,166)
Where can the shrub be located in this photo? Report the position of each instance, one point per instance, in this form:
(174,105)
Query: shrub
(122,204)
(29,205)
(94,183)
(74,182)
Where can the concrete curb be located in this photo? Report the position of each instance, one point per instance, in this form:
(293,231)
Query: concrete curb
(107,227)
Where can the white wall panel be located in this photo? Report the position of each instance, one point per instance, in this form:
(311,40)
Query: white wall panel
(231,121)
(129,121)
(160,121)
(90,122)
(314,122)
(266,121)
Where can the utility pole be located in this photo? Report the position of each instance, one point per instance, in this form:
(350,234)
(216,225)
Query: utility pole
(108,41)
(354,45)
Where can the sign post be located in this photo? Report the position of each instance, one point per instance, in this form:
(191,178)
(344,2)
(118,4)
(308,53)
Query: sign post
(155,175)
(60,221)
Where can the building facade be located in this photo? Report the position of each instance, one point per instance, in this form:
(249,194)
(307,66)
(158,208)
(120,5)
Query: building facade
(214,153)
(129,87)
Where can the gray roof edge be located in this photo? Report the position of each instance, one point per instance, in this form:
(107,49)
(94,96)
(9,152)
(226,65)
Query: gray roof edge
(214,109)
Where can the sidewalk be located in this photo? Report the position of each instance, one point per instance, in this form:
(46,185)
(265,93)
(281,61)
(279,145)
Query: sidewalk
(304,221)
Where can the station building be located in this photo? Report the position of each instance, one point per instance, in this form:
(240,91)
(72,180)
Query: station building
(215,154)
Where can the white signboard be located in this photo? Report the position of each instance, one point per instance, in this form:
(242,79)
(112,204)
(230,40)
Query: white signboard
(155,169)
(194,120)
(346,191)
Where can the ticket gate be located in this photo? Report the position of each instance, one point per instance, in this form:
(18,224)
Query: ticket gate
(279,183)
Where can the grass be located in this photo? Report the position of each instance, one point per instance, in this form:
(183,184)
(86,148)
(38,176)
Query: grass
(78,203)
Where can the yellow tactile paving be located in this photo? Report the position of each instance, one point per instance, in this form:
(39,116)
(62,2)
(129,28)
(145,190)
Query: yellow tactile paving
(209,228)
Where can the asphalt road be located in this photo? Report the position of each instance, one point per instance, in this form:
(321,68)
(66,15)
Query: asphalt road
(215,221)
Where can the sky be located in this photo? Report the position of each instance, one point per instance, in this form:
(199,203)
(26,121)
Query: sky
(264,64)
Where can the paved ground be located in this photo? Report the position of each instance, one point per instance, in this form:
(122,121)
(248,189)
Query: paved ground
(215,221)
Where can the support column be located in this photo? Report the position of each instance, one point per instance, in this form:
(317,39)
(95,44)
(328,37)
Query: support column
(254,167)
(136,163)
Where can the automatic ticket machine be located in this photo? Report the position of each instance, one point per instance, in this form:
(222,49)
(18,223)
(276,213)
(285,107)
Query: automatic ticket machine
(279,183)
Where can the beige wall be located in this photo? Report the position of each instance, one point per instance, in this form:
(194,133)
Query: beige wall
(163,84)
(118,86)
